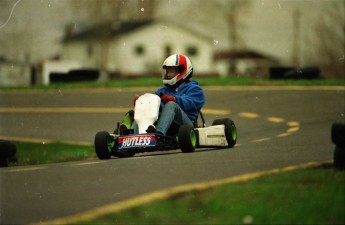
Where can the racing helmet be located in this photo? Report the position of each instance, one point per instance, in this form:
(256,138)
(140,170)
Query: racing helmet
(177,68)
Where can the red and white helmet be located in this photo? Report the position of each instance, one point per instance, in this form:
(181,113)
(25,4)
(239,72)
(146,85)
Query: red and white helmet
(183,67)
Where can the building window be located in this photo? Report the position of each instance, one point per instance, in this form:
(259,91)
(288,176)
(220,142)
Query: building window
(192,51)
(140,50)
(89,50)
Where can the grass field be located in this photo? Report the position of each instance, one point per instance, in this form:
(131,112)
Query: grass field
(204,81)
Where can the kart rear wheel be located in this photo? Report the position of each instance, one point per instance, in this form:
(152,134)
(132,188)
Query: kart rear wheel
(230,130)
(187,138)
(103,145)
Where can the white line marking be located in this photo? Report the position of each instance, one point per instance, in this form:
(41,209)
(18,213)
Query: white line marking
(249,115)
(292,129)
(293,124)
(26,169)
(262,140)
(283,134)
(275,120)
(87,163)
(89,110)
(44,141)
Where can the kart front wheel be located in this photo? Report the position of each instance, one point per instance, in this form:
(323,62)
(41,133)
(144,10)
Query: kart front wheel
(187,138)
(230,130)
(103,145)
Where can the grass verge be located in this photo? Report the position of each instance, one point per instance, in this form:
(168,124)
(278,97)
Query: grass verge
(204,81)
(305,196)
(34,154)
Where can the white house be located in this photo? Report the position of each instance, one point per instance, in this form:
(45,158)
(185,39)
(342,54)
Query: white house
(135,48)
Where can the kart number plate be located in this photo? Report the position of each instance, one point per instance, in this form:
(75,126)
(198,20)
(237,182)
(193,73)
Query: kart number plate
(136,141)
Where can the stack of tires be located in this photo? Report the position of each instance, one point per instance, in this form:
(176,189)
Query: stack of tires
(295,73)
(7,152)
(338,138)
(75,76)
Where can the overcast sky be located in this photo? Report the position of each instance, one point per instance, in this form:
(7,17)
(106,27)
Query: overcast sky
(35,27)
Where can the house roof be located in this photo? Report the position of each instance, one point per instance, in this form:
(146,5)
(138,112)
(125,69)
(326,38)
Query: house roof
(106,30)
(242,54)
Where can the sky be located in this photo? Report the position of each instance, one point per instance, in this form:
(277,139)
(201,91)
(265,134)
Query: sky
(32,29)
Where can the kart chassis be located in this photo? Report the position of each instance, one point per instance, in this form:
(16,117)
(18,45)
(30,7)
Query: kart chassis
(124,143)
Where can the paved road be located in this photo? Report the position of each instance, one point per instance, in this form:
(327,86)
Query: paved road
(276,127)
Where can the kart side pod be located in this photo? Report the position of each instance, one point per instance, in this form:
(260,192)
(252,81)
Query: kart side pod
(212,136)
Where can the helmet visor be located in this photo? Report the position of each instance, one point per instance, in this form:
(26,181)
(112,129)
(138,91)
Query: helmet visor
(169,72)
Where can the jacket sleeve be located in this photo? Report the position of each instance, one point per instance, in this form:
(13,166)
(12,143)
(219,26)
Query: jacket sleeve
(192,100)
(159,91)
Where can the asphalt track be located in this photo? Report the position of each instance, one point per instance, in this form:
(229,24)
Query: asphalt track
(277,127)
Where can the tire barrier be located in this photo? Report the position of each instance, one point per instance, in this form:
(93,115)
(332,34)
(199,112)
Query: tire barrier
(338,138)
(295,73)
(74,76)
(7,152)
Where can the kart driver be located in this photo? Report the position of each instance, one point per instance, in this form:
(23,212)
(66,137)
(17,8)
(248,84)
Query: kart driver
(181,97)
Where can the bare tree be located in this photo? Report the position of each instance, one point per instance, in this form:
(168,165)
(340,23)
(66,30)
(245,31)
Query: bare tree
(329,40)
(231,13)
(97,11)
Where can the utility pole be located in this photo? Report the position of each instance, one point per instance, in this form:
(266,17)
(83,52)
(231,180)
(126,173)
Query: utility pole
(296,37)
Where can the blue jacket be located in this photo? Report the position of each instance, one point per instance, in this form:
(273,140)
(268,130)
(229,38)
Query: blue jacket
(190,97)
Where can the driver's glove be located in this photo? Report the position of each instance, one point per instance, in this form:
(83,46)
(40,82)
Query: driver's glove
(167,98)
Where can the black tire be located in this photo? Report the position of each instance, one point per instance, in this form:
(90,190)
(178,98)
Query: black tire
(103,140)
(279,72)
(338,134)
(7,149)
(74,76)
(230,130)
(187,138)
(7,152)
(339,158)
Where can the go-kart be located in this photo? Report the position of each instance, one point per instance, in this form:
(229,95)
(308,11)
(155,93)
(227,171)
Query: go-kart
(125,143)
